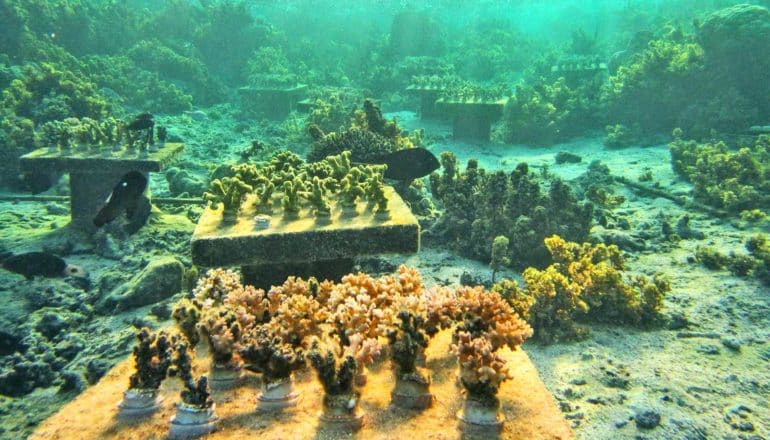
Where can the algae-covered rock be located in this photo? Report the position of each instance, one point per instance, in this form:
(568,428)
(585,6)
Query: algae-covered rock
(161,279)
(736,29)
(181,181)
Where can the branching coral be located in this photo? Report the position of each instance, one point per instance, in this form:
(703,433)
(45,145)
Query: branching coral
(482,370)
(153,355)
(723,177)
(479,206)
(336,380)
(759,247)
(264,352)
(187,314)
(363,144)
(407,341)
(442,309)
(296,184)
(369,137)
(545,113)
(228,192)
(585,283)
(251,306)
(196,391)
(656,86)
(44,92)
(216,285)
(221,329)
(298,318)
(486,313)
(499,251)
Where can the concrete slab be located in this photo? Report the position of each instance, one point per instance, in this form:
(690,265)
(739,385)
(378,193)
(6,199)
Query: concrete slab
(530,411)
(304,239)
(82,160)
(94,173)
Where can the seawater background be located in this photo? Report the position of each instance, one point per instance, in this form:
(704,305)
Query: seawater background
(700,395)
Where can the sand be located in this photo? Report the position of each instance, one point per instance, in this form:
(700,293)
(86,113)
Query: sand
(530,411)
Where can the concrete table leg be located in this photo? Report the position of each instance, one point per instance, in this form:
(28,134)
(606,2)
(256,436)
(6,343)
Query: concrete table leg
(428,108)
(267,275)
(470,126)
(88,192)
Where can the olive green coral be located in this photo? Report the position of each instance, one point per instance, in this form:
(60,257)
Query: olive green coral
(228,192)
(585,283)
(296,183)
(479,206)
(725,177)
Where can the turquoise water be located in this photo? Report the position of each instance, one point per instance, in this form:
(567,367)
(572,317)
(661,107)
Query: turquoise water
(640,127)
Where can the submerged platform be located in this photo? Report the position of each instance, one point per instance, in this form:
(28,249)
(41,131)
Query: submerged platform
(530,411)
(94,173)
(473,118)
(84,160)
(304,239)
(274,102)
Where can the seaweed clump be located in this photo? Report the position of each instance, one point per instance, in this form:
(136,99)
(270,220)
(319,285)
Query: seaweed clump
(479,206)
(586,283)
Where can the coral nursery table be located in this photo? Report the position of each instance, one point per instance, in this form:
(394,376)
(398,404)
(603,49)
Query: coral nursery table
(428,94)
(93,174)
(275,103)
(472,120)
(302,246)
(530,411)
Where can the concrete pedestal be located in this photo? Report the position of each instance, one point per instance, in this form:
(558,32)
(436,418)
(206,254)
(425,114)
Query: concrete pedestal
(302,245)
(472,120)
(428,97)
(93,174)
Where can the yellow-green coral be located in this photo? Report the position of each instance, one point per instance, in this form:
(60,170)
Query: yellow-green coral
(227,191)
(734,179)
(297,182)
(585,283)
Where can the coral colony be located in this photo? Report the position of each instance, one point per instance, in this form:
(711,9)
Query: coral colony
(337,329)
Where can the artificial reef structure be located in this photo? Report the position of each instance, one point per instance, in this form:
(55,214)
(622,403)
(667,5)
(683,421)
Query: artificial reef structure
(365,351)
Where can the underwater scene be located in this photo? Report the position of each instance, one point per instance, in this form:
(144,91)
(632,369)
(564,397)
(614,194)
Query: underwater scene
(375,219)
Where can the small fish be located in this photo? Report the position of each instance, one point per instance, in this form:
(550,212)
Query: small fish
(125,197)
(407,164)
(32,264)
(196,115)
(142,121)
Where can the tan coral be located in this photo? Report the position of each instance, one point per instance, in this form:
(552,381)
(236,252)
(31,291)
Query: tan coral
(216,285)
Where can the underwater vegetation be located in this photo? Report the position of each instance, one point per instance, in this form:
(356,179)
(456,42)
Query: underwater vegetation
(754,263)
(480,206)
